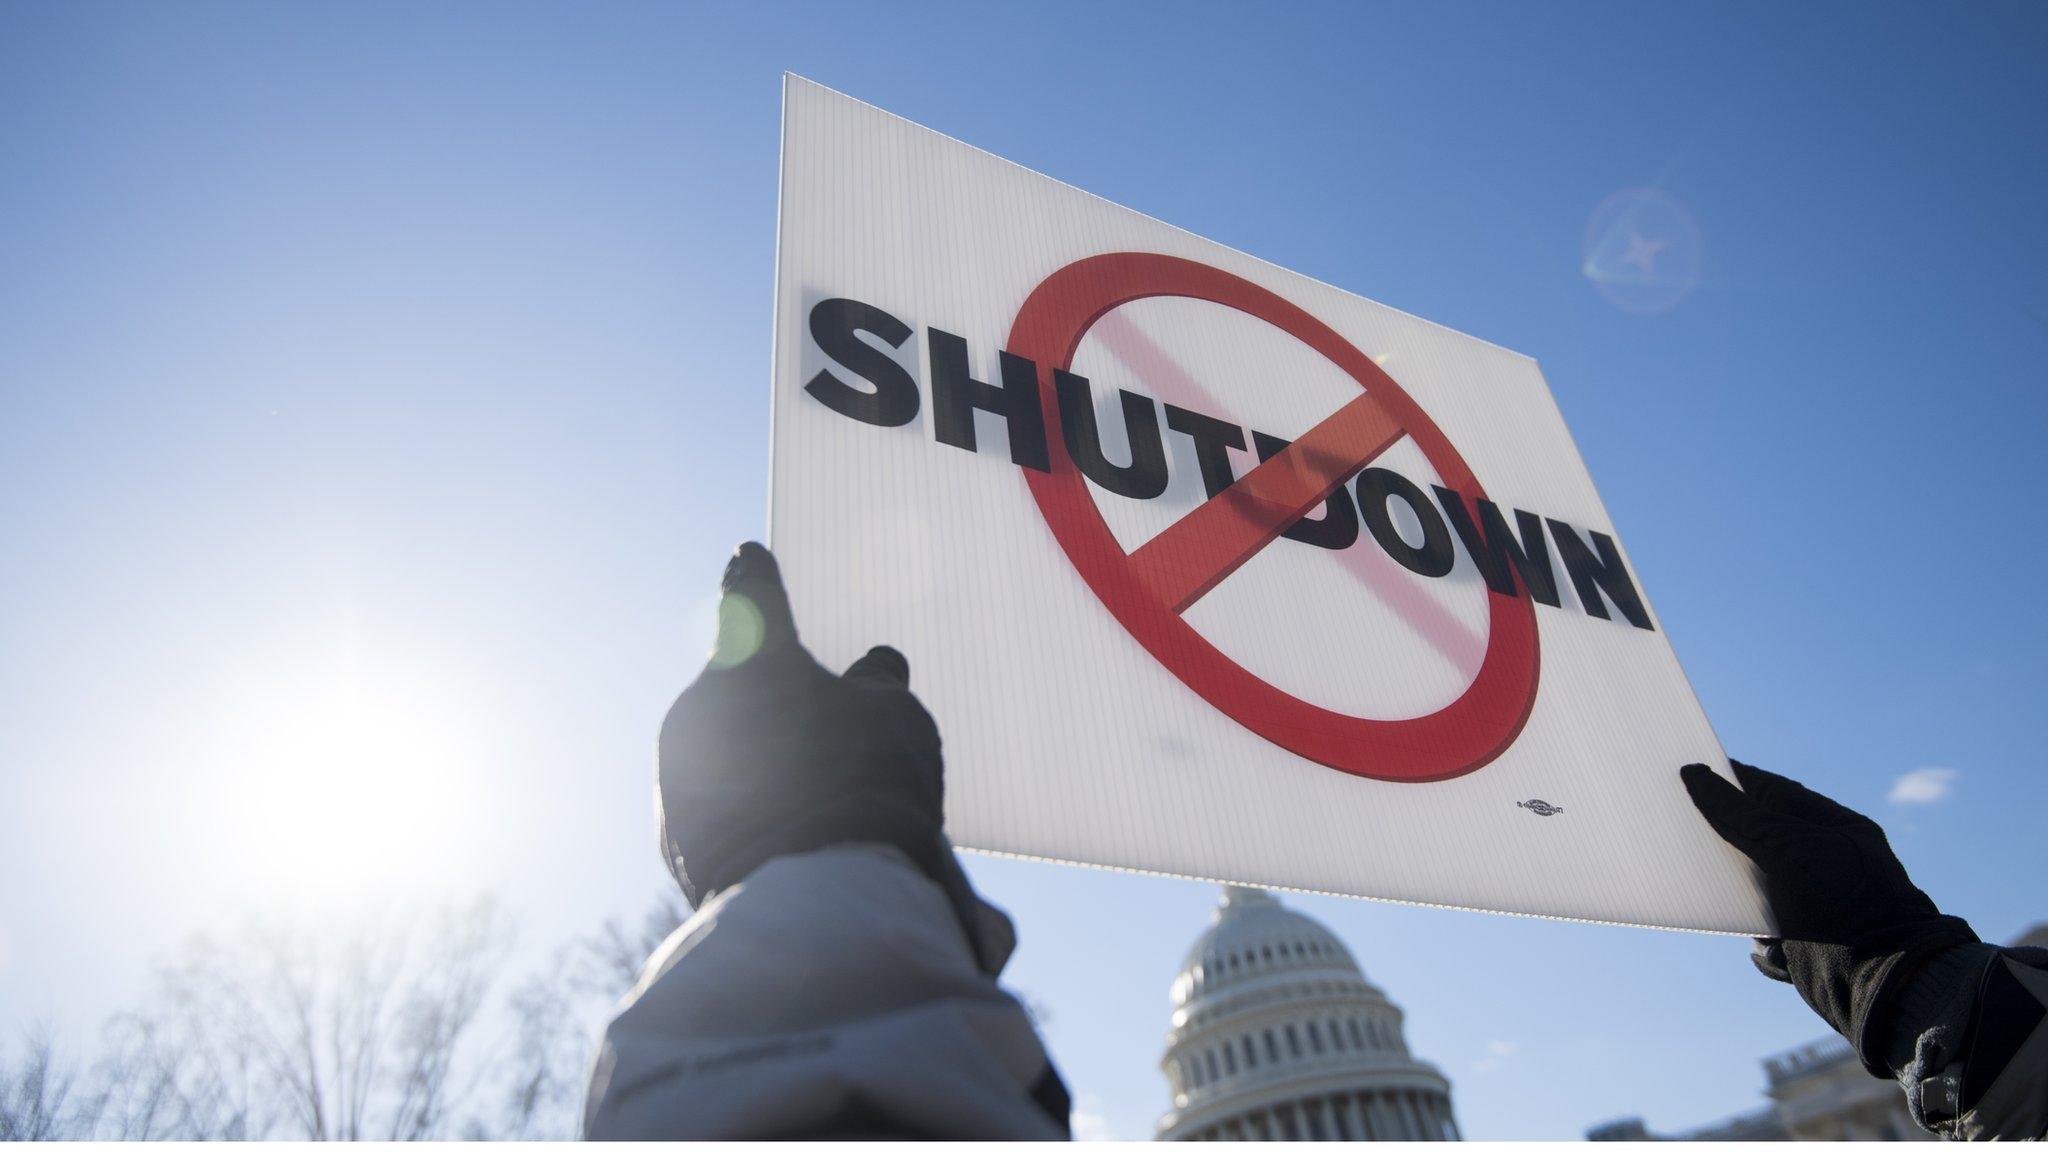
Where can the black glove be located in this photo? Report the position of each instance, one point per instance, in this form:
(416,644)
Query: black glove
(1852,924)
(768,754)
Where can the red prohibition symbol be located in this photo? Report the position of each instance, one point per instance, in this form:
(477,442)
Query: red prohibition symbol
(1148,589)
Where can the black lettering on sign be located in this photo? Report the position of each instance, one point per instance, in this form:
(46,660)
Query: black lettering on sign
(956,394)
(1497,554)
(884,393)
(1213,441)
(1337,527)
(1592,574)
(1145,476)
(1434,556)
(835,325)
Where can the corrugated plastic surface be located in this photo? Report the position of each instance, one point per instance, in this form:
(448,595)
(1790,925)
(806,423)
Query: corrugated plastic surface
(1071,737)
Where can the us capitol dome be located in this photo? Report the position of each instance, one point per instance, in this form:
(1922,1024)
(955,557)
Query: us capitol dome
(1277,1035)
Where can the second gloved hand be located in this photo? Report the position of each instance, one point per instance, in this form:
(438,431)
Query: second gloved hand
(1853,925)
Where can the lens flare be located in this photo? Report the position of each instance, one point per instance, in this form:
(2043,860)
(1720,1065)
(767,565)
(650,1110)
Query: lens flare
(739,631)
(1643,251)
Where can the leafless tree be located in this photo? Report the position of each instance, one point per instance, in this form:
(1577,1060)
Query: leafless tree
(34,1095)
(556,1012)
(612,957)
(348,1032)
(373,1029)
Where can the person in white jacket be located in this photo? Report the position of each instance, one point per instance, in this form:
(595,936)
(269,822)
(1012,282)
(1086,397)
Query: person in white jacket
(838,976)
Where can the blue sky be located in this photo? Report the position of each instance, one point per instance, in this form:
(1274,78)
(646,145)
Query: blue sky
(403,368)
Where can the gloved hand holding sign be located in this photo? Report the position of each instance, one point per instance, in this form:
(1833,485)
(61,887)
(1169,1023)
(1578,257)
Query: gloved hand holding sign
(1962,1025)
(1853,926)
(768,754)
(837,979)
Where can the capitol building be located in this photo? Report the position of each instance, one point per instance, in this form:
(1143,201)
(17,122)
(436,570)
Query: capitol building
(1277,1035)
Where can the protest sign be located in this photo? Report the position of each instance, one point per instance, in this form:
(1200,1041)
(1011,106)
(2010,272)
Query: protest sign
(1210,569)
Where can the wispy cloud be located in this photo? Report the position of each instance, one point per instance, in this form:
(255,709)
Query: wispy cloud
(1923,786)
(1496,1052)
(1088,1121)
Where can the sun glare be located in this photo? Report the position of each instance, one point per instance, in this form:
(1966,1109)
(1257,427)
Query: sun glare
(347,785)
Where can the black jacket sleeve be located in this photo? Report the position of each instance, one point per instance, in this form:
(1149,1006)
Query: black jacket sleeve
(1968,1041)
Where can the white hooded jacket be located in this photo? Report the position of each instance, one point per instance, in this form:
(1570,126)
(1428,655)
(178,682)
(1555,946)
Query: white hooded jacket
(829,994)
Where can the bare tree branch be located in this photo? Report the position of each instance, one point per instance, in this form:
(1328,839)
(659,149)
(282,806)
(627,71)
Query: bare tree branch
(33,1096)
(373,1028)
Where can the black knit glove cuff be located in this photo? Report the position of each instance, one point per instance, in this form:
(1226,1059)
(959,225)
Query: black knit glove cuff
(1854,986)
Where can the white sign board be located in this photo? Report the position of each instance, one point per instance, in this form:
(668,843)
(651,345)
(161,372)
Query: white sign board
(1209,569)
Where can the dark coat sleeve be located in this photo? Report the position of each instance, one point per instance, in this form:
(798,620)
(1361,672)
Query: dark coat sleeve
(1969,1041)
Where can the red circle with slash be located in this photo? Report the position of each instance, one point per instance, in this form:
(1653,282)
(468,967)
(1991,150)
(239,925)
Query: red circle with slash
(1148,589)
